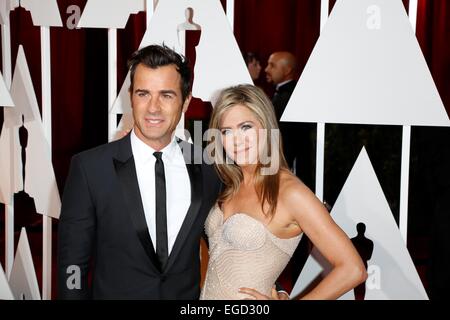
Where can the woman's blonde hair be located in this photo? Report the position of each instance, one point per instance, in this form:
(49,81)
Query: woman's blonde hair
(266,185)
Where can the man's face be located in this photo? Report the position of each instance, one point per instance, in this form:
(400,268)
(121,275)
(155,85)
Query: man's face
(157,104)
(275,70)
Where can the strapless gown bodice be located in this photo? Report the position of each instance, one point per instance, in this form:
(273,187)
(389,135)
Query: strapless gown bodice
(242,253)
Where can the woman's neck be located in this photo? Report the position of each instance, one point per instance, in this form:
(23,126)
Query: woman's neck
(248,173)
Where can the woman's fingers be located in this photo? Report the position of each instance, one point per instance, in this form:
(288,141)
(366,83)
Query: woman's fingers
(275,294)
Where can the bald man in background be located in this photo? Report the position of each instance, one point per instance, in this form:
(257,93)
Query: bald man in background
(282,71)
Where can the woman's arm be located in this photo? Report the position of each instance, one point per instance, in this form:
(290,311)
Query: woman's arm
(313,218)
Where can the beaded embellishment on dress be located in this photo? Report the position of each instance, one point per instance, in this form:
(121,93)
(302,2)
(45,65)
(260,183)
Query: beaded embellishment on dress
(242,253)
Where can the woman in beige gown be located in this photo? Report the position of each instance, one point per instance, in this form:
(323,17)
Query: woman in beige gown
(264,209)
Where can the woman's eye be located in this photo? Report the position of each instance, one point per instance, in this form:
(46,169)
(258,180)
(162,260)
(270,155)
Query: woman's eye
(225,132)
(245,127)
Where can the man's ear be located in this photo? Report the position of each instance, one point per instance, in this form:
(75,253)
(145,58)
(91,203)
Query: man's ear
(186,102)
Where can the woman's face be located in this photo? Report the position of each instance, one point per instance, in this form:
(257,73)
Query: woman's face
(240,131)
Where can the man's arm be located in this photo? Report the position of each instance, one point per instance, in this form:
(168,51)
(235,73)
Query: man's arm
(76,232)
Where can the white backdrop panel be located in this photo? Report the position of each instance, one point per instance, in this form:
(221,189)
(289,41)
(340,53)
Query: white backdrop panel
(5,290)
(367,67)
(40,182)
(363,200)
(5,97)
(5,7)
(109,13)
(219,62)
(23,281)
(43,12)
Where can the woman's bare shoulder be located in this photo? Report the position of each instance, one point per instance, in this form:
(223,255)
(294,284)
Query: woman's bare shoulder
(293,191)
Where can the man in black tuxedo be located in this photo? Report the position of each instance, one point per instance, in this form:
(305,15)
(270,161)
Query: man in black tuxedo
(282,71)
(133,210)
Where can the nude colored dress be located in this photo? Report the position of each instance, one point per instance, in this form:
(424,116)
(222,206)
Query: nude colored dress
(242,253)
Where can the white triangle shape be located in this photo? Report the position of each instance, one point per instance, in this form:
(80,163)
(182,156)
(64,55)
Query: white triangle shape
(362,200)
(11,179)
(23,281)
(217,44)
(367,68)
(5,97)
(22,92)
(109,13)
(11,166)
(43,12)
(40,182)
(5,290)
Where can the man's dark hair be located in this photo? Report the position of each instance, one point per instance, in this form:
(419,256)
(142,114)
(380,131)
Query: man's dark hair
(155,56)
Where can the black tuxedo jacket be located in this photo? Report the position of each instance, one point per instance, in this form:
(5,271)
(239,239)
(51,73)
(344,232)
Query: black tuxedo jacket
(289,130)
(282,96)
(102,228)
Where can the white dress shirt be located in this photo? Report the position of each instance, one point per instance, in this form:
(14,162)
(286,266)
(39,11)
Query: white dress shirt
(178,186)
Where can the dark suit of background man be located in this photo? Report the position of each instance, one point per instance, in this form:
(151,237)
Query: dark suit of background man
(133,210)
(282,71)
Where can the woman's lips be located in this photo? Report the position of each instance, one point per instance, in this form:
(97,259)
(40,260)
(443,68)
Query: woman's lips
(241,150)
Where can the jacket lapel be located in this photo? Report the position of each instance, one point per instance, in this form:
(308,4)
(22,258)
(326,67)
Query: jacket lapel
(194,168)
(126,172)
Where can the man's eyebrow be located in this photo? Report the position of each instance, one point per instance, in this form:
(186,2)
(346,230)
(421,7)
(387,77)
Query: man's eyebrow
(168,91)
(141,91)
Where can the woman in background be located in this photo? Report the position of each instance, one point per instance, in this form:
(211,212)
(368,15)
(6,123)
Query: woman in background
(253,65)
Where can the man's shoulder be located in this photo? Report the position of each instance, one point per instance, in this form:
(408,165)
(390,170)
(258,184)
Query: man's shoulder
(99,153)
(288,87)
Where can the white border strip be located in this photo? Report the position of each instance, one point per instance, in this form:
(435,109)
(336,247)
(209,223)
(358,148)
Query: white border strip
(324,8)
(230,12)
(320,140)
(406,150)
(404,181)
(412,12)
(9,209)
(47,124)
(112,81)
